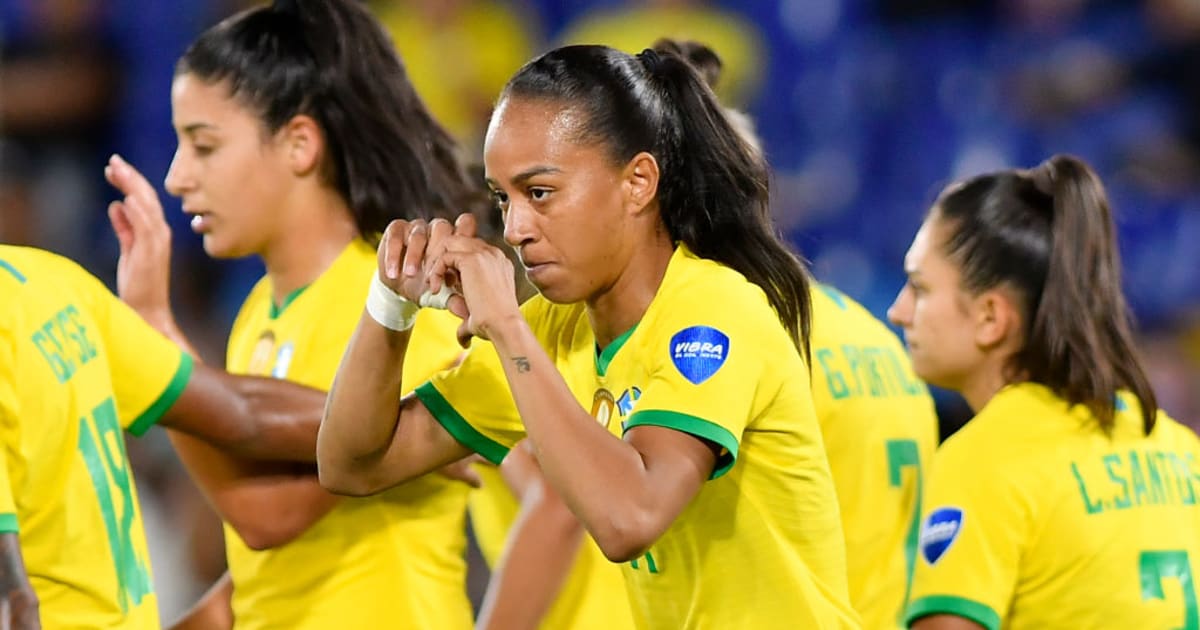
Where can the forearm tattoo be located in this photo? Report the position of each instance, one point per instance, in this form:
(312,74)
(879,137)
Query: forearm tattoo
(522,364)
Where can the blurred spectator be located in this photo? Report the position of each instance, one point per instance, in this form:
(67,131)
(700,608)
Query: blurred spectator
(459,54)
(1173,68)
(634,26)
(1139,78)
(911,10)
(59,76)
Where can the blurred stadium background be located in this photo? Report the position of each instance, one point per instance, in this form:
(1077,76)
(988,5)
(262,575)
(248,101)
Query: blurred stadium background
(866,109)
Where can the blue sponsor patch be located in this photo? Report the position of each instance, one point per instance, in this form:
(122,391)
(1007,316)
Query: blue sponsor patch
(939,531)
(698,352)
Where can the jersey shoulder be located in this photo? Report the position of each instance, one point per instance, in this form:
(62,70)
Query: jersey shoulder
(700,291)
(1175,433)
(1022,421)
(838,318)
(44,279)
(37,267)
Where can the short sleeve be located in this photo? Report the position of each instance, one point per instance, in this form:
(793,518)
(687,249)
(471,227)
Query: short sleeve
(705,370)
(972,533)
(148,371)
(473,403)
(9,414)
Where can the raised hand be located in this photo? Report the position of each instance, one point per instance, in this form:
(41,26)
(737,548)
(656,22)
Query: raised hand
(480,275)
(143,271)
(418,258)
(401,255)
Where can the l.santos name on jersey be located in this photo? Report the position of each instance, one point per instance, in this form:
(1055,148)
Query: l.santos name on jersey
(1133,479)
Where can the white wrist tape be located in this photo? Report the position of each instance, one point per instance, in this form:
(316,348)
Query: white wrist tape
(436,300)
(389,308)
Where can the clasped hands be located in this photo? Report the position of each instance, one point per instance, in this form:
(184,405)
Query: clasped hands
(419,257)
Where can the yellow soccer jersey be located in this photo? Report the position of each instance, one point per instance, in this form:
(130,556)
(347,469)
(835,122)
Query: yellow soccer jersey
(394,558)
(880,428)
(592,598)
(76,367)
(761,544)
(1037,519)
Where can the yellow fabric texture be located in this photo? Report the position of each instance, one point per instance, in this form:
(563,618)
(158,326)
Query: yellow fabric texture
(1036,518)
(394,558)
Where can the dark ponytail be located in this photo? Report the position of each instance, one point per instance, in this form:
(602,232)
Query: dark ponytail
(713,188)
(331,60)
(1048,233)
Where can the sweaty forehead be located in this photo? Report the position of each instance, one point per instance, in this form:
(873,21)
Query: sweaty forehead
(527,133)
(535,121)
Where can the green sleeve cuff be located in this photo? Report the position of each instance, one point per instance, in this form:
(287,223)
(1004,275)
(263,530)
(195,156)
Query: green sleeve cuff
(981,614)
(457,426)
(8,524)
(691,425)
(155,411)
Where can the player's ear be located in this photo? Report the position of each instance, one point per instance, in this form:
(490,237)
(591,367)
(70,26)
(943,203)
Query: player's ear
(302,140)
(997,317)
(639,182)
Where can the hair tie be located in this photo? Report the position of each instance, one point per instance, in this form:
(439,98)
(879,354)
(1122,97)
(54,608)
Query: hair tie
(650,60)
(1043,178)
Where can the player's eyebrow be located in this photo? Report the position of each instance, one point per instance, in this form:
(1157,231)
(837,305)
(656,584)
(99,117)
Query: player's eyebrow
(199,126)
(527,174)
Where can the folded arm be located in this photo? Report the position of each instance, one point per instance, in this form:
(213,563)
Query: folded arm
(260,418)
(626,492)
(268,504)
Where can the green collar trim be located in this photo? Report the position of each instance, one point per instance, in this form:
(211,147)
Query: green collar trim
(276,311)
(604,357)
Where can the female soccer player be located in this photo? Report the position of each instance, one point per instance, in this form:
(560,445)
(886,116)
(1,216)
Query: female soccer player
(77,369)
(878,425)
(300,137)
(1070,500)
(668,307)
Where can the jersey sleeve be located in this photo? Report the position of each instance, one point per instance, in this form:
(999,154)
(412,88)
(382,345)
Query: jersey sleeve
(148,371)
(705,367)
(971,537)
(9,413)
(473,403)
